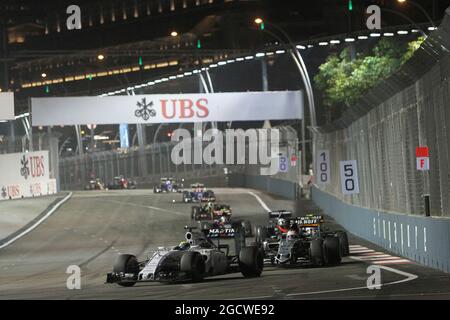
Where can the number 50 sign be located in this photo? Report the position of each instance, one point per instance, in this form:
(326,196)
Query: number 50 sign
(349,177)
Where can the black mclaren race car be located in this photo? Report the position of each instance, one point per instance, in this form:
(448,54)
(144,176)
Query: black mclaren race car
(168,185)
(204,253)
(211,214)
(300,240)
(198,194)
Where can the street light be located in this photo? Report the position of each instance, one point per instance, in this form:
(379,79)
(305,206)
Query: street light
(174,33)
(419,7)
(258,20)
(301,66)
(101,57)
(296,56)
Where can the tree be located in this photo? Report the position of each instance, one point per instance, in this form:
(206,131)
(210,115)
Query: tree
(343,81)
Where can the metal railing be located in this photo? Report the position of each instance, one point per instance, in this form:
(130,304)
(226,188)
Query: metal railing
(148,165)
(383,129)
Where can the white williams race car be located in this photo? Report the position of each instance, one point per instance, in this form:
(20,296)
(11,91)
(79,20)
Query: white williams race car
(217,251)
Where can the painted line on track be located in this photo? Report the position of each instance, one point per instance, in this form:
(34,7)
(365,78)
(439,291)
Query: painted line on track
(408,277)
(34,226)
(261,202)
(146,207)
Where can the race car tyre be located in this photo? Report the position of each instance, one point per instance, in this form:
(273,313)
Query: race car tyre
(343,241)
(260,234)
(316,252)
(154,190)
(194,211)
(209,194)
(251,261)
(186,196)
(247,226)
(126,263)
(193,264)
(331,251)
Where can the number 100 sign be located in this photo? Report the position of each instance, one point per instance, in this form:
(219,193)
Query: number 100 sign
(349,177)
(323,167)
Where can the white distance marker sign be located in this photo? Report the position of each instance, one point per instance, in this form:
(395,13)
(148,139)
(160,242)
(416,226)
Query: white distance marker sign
(283,166)
(6,106)
(349,177)
(323,167)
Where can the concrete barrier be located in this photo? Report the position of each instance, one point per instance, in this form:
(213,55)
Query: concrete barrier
(422,239)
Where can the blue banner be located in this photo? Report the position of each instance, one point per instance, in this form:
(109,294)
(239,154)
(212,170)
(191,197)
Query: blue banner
(124,139)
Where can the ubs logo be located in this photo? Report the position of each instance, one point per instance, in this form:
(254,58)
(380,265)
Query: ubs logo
(145,110)
(24,170)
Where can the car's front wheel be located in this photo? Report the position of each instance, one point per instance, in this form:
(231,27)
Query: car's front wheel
(251,261)
(331,250)
(193,264)
(126,264)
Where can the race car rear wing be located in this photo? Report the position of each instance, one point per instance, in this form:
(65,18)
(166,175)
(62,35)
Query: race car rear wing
(221,232)
(197,185)
(309,221)
(280,214)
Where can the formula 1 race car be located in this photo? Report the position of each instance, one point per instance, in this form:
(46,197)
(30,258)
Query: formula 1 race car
(210,214)
(168,185)
(95,184)
(120,182)
(301,240)
(204,253)
(198,194)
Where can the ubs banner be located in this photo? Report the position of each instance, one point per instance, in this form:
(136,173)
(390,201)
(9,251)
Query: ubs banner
(25,175)
(168,108)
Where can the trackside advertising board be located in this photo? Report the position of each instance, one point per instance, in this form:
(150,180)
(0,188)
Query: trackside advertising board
(6,106)
(25,175)
(168,108)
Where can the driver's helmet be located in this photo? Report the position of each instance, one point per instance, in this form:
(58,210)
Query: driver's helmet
(184,245)
(223,219)
(283,223)
(291,234)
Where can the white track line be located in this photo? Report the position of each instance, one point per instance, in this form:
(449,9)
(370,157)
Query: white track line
(362,251)
(147,207)
(261,202)
(391,261)
(409,277)
(37,222)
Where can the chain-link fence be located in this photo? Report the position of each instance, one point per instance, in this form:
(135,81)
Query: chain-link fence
(148,164)
(381,132)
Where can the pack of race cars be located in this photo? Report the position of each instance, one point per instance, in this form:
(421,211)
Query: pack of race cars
(207,251)
(118,183)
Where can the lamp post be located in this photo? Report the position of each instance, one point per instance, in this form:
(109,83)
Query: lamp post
(302,67)
(296,56)
(406,18)
(422,9)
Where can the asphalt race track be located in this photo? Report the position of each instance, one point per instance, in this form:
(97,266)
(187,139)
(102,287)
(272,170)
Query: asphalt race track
(93,227)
